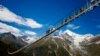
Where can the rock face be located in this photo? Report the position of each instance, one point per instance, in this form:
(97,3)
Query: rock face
(92,48)
(10,42)
(10,39)
(96,38)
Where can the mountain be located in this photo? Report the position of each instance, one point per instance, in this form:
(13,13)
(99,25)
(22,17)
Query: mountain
(46,47)
(29,38)
(67,44)
(9,38)
(76,38)
(10,42)
(82,45)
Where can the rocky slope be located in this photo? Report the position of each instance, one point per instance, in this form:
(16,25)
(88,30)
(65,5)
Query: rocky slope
(10,42)
(45,47)
(82,45)
(64,45)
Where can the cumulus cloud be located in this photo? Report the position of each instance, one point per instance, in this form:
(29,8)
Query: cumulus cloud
(30,32)
(7,28)
(72,26)
(8,16)
(17,32)
(3,31)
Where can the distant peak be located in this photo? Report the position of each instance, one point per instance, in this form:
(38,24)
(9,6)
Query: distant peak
(69,32)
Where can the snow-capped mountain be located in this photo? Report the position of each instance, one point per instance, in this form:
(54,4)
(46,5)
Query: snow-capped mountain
(71,33)
(29,39)
(10,39)
(75,38)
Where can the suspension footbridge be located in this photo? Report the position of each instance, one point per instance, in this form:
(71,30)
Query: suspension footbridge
(91,4)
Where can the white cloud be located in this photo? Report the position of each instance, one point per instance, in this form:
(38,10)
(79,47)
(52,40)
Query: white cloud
(33,24)
(30,32)
(3,31)
(7,28)
(8,16)
(76,27)
(72,26)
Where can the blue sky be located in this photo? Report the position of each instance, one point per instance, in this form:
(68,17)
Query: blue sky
(48,12)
